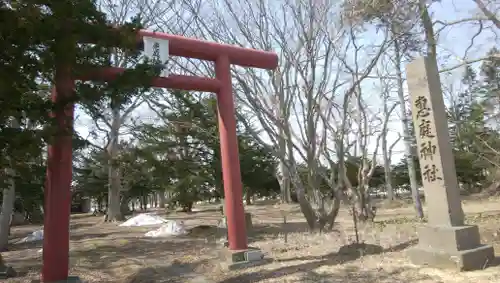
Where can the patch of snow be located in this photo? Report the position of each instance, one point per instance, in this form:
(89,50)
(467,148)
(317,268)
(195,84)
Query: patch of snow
(33,237)
(171,228)
(144,219)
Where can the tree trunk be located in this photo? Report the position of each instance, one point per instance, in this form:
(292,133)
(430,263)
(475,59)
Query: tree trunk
(388,180)
(307,210)
(187,207)
(406,133)
(124,205)
(335,208)
(161,199)
(145,202)
(359,205)
(141,202)
(282,144)
(9,196)
(37,215)
(285,176)
(363,204)
(99,203)
(113,212)
(387,168)
(248,198)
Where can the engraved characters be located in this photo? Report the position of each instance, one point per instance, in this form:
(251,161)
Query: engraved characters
(426,134)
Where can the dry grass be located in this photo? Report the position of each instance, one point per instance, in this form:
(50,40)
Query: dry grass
(102,252)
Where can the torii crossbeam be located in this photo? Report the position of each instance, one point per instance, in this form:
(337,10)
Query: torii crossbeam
(59,164)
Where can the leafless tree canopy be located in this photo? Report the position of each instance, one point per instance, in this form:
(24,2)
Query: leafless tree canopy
(332,101)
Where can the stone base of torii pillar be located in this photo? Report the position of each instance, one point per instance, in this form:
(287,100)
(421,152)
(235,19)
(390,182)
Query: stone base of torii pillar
(445,242)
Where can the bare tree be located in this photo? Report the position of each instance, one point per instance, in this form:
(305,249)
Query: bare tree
(387,149)
(365,124)
(112,121)
(296,107)
(399,19)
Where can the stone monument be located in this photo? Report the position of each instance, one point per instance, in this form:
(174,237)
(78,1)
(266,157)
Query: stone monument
(445,241)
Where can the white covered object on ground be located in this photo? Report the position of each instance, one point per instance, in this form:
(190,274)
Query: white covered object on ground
(33,237)
(171,228)
(143,220)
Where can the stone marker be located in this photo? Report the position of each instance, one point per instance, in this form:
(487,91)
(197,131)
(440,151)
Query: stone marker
(445,241)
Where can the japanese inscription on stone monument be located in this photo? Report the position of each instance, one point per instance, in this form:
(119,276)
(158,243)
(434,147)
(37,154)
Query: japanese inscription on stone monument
(427,144)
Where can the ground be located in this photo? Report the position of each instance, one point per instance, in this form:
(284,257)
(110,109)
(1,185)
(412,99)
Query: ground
(105,252)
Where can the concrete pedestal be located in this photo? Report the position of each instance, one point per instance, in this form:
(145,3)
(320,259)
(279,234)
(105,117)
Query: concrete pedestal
(451,247)
(231,260)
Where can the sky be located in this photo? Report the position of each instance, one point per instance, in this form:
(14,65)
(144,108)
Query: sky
(451,48)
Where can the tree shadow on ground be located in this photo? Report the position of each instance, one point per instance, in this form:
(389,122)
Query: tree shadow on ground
(109,254)
(76,226)
(352,252)
(257,233)
(345,254)
(176,272)
(263,231)
(80,237)
(266,202)
(355,275)
(18,245)
(185,273)
(81,215)
(23,262)
(136,250)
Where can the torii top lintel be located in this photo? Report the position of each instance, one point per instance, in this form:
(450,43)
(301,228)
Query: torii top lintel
(210,51)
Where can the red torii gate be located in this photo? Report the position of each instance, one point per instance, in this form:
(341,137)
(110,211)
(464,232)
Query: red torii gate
(59,164)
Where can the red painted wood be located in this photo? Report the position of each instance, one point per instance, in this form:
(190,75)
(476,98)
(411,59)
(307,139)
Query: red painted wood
(173,81)
(233,195)
(210,51)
